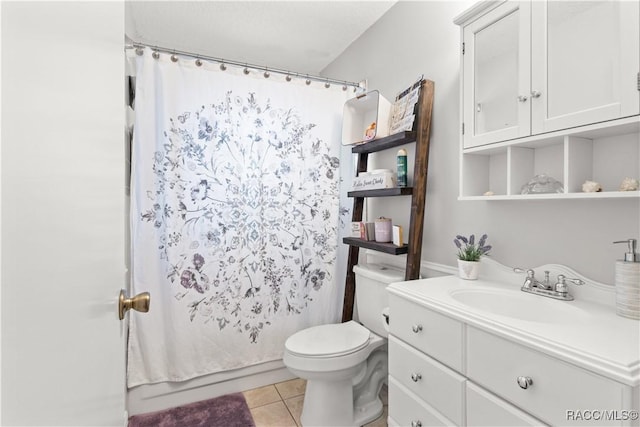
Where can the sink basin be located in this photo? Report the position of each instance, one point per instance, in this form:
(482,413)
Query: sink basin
(518,305)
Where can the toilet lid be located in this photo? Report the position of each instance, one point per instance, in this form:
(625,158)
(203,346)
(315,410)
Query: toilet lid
(329,340)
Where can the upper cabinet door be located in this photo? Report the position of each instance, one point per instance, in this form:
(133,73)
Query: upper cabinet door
(585,62)
(496,86)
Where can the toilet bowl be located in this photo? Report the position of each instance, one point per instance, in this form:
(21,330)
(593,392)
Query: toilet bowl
(345,364)
(338,363)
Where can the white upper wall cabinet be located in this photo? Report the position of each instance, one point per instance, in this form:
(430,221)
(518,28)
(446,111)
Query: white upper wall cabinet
(549,88)
(540,66)
(497,75)
(584,66)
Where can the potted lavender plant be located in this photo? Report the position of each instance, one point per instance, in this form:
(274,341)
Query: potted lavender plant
(469,254)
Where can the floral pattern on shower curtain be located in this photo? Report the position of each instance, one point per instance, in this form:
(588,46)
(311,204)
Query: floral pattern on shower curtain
(235,218)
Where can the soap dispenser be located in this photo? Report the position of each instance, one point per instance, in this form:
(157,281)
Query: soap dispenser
(630,255)
(627,281)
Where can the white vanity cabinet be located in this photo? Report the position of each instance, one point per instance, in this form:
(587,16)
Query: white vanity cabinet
(445,369)
(537,75)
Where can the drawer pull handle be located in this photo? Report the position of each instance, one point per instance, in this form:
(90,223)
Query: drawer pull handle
(416,377)
(524,382)
(416,423)
(416,328)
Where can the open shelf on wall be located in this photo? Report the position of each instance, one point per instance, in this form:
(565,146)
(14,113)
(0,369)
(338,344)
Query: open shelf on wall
(559,196)
(605,152)
(388,248)
(382,192)
(385,142)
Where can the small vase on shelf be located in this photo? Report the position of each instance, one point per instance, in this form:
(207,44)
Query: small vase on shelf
(468,270)
(469,254)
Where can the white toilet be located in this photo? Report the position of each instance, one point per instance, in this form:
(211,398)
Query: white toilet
(345,364)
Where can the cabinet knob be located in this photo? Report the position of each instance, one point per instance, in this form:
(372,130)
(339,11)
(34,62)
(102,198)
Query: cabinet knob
(524,382)
(522,98)
(416,377)
(535,94)
(416,328)
(416,423)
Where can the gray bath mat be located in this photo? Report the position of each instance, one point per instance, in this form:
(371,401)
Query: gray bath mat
(224,411)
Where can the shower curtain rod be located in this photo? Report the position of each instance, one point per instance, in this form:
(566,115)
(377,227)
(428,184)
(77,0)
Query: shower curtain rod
(247,66)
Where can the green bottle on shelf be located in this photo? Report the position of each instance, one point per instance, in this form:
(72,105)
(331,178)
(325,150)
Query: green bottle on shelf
(402,167)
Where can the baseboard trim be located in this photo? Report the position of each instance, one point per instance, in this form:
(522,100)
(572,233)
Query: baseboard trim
(156,397)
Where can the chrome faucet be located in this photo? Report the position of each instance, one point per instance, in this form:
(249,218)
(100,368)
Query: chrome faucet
(558,290)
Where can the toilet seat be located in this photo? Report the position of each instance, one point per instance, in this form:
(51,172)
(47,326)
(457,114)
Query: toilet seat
(328,341)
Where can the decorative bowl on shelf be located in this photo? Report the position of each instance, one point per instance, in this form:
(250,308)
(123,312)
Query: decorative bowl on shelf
(542,184)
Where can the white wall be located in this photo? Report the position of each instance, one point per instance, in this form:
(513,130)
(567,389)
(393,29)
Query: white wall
(416,38)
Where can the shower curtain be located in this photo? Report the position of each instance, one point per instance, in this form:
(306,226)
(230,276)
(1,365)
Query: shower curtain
(235,216)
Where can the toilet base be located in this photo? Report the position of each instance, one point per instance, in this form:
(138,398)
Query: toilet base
(334,409)
(340,402)
(365,414)
(328,403)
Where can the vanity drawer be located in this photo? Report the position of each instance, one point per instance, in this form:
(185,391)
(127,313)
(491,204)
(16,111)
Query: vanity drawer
(406,409)
(485,409)
(435,334)
(557,387)
(429,380)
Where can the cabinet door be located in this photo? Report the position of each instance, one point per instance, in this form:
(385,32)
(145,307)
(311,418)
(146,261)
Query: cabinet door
(585,62)
(496,70)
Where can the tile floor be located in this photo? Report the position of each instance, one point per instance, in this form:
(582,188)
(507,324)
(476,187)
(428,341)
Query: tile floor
(280,405)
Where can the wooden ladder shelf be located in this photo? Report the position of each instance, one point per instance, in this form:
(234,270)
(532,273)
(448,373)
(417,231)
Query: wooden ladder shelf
(413,249)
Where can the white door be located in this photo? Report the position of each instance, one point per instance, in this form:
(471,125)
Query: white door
(63,213)
(585,62)
(497,75)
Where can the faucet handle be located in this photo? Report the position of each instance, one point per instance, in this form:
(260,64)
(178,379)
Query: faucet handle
(529,271)
(562,286)
(530,281)
(562,278)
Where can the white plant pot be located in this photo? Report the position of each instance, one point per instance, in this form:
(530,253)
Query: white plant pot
(468,270)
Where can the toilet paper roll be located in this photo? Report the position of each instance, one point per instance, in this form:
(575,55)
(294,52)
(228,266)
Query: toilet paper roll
(385,315)
(627,281)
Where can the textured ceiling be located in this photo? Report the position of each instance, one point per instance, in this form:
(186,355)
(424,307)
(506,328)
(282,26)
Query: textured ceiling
(302,36)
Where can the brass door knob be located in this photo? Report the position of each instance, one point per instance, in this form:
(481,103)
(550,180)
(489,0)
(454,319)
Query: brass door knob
(139,303)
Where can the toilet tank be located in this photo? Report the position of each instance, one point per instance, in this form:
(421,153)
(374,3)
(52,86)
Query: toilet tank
(371,295)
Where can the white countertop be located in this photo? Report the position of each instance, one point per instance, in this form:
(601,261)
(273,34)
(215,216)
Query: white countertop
(589,334)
